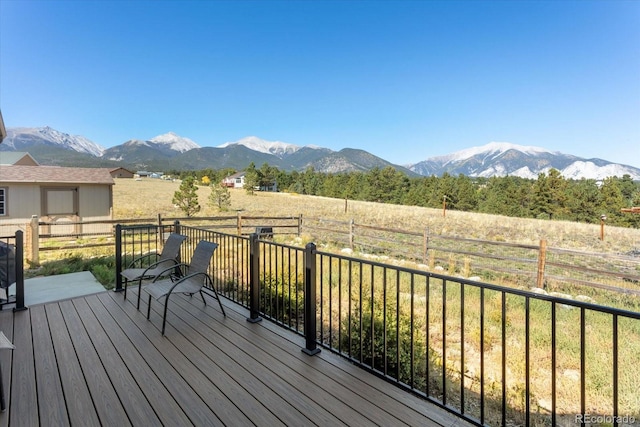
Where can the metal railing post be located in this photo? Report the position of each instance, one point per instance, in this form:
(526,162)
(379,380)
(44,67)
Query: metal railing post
(119,287)
(254,279)
(310,300)
(19,272)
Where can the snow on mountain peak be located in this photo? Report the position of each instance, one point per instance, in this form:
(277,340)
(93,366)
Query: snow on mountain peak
(175,142)
(74,142)
(494,149)
(277,148)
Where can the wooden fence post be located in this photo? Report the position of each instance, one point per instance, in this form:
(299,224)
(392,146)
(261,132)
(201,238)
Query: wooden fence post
(542,259)
(299,225)
(351,227)
(34,243)
(239,224)
(425,245)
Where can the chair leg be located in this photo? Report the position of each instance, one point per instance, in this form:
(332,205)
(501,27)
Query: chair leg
(139,291)
(164,315)
(219,301)
(149,307)
(126,282)
(3,406)
(202,296)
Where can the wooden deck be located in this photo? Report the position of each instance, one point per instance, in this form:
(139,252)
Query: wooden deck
(96,360)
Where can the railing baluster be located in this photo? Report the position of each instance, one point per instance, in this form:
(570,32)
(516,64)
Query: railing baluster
(444,342)
(461,348)
(504,358)
(615,370)
(583,406)
(482,400)
(553,363)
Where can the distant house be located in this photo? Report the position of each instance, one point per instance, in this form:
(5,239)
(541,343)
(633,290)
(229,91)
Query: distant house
(237,180)
(121,173)
(234,181)
(15,158)
(147,174)
(55,194)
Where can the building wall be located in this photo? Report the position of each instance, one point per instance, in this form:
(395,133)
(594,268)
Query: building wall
(95,201)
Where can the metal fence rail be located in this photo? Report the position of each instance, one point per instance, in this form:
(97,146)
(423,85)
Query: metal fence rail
(491,355)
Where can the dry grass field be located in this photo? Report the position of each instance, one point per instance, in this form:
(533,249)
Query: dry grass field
(149,197)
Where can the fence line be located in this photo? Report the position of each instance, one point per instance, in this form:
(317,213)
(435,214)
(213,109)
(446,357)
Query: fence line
(504,263)
(500,262)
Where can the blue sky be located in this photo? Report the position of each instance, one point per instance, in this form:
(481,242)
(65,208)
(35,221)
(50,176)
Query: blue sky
(404,80)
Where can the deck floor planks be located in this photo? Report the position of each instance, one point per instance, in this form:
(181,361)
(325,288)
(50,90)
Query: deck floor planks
(136,386)
(205,377)
(226,370)
(24,397)
(158,397)
(291,367)
(103,395)
(310,371)
(72,347)
(48,381)
(166,375)
(277,397)
(6,357)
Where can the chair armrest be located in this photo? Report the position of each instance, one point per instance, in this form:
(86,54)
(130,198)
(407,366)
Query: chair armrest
(190,276)
(140,258)
(175,262)
(177,265)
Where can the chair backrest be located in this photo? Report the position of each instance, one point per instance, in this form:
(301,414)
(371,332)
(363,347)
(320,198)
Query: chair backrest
(171,248)
(202,256)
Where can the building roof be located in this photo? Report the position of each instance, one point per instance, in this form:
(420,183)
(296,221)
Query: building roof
(13,157)
(236,175)
(55,175)
(120,168)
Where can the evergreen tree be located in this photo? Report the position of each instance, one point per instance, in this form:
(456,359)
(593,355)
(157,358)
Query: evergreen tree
(251,178)
(186,198)
(612,201)
(220,197)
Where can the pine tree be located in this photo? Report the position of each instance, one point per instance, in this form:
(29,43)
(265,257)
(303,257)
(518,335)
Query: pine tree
(186,197)
(220,197)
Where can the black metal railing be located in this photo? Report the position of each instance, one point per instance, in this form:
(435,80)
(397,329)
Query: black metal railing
(12,270)
(489,354)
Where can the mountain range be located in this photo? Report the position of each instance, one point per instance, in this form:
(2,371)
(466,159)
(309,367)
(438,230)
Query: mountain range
(173,152)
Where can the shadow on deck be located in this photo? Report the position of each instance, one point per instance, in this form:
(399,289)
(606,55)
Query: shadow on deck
(96,360)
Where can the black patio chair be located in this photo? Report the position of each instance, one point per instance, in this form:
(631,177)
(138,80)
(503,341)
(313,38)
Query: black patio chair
(196,279)
(166,264)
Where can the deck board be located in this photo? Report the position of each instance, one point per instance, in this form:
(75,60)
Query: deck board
(97,360)
(48,381)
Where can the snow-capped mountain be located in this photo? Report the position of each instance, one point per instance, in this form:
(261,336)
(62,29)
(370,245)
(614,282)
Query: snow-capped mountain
(506,159)
(277,148)
(174,142)
(169,150)
(20,139)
